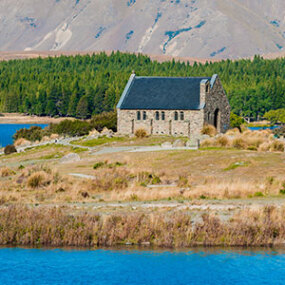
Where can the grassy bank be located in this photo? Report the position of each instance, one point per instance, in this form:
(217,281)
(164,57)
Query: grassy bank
(20,225)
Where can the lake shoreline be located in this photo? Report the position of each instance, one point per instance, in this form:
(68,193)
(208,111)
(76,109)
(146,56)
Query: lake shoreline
(56,227)
(18,118)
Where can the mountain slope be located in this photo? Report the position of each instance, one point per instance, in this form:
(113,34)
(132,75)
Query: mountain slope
(195,28)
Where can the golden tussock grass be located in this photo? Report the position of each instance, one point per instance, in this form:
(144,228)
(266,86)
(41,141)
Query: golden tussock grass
(248,140)
(209,130)
(5,172)
(22,142)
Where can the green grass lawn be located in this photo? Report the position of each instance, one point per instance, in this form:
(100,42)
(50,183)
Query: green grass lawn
(97,142)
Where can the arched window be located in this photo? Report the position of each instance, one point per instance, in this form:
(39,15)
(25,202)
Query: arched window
(163,116)
(209,117)
(144,115)
(138,115)
(157,115)
(182,116)
(176,116)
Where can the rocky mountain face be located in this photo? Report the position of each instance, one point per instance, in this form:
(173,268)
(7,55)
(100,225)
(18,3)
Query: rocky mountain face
(185,28)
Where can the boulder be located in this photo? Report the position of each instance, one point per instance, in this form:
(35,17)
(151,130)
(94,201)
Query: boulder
(192,143)
(178,143)
(106,131)
(71,157)
(166,145)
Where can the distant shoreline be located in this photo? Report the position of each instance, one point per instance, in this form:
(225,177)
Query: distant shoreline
(17,118)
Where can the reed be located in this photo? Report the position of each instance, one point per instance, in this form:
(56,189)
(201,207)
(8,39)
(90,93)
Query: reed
(56,227)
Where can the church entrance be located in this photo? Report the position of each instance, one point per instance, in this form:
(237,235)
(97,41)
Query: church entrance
(217,119)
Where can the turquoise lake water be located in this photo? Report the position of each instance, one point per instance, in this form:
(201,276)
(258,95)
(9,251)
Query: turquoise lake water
(262,128)
(8,130)
(38,266)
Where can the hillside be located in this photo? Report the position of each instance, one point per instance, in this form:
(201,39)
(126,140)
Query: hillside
(82,86)
(205,29)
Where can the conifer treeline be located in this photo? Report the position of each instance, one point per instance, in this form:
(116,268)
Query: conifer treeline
(81,86)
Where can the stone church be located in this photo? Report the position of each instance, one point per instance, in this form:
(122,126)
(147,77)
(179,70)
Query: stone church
(173,105)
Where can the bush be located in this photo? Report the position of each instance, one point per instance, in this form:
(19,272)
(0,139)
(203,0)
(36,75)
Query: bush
(140,133)
(236,121)
(279,132)
(37,179)
(34,133)
(277,146)
(99,164)
(105,120)
(70,128)
(5,172)
(239,143)
(223,141)
(9,149)
(209,130)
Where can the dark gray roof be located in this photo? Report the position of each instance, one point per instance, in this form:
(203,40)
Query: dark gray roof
(162,93)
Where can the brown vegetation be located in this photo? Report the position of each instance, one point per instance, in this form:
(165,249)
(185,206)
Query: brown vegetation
(209,130)
(9,149)
(248,140)
(141,133)
(55,227)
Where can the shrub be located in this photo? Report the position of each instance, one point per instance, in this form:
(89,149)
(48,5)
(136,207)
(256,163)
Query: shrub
(277,146)
(5,172)
(37,179)
(258,194)
(141,133)
(209,130)
(223,141)
(264,147)
(279,132)
(252,147)
(236,121)
(70,128)
(105,120)
(99,164)
(182,181)
(239,143)
(233,132)
(145,178)
(9,149)
(34,133)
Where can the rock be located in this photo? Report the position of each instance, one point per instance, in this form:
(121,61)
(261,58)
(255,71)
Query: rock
(178,143)
(192,143)
(106,132)
(93,133)
(71,157)
(166,145)
(145,243)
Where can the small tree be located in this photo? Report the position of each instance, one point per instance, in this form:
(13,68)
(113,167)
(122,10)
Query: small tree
(276,116)
(236,121)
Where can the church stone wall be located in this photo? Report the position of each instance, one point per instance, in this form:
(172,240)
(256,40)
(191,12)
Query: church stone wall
(217,109)
(189,126)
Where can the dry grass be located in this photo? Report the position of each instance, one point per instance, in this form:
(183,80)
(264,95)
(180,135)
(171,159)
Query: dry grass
(250,140)
(55,227)
(5,172)
(209,130)
(218,173)
(141,133)
(38,179)
(22,142)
